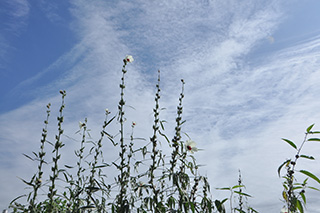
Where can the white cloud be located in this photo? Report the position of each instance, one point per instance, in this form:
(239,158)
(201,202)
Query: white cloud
(51,8)
(15,13)
(236,110)
(20,8)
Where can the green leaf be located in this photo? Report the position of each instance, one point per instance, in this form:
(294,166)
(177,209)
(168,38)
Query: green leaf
(93,189)
(290,142)
(308,157)
(253,210)
(104,132)
(314,188)
(101,166)
(280,167)
(237,186)
(241,193)
(162,134)
(303,196)
(239,210)
(112,141)
(142,139)
(299,206)
(171,202)
(309,128)
(17,199)
(224,200)
(35,154)
(66,177)
(28,157)
(224,188)
(192,206)
(314,139)
(110,120)
(309,174)
(161,123)
(298,187)
(28,183)
(219,205)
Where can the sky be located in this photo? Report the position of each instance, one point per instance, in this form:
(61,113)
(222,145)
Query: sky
(251,69)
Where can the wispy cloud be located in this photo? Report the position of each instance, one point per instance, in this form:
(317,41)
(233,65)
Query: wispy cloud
(18,8)
(51,8)
(237,107)
(276,99)
(15,13)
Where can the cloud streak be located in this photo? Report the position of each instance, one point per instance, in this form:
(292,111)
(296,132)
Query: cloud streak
(15,13)
(238,105)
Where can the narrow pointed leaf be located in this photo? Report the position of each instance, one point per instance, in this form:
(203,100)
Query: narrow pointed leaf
(284,195)
(280,167)
(224,188)
(28,183)
(164,137)
(241,193)
(35,154)
(219,205)
(17,198)
(308,157)
(66,177)
(314,139)
(161,124)
(309,128)
(299,206)
(290,142)
(104,132)
(143,139)
(314,188)
(303,196)
(237,186)
(309,174)
(28,157)
(224,200)
(101,166)
(110,120)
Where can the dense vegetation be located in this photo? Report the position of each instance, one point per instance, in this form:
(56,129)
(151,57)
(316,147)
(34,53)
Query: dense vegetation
(142,178)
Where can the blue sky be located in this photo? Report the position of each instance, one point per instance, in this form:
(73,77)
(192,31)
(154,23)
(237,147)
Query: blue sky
(251,70)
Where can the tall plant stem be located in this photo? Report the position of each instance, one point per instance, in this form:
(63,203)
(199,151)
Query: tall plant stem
(122,178)
(57,146)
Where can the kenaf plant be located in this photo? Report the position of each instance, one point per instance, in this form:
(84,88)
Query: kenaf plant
(154,183)
(144,177)
(294,192)
(240,198)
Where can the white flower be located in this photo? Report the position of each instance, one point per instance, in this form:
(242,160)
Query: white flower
(284,210)
(81,124)
(129,58)
(191,146)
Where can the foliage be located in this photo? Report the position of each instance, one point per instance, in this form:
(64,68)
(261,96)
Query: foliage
(294,192)
(143,178)
(243,205)
(147,179)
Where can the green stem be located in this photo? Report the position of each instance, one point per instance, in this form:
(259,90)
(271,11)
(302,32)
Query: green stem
(41,161)
(57,146)
(123,176)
